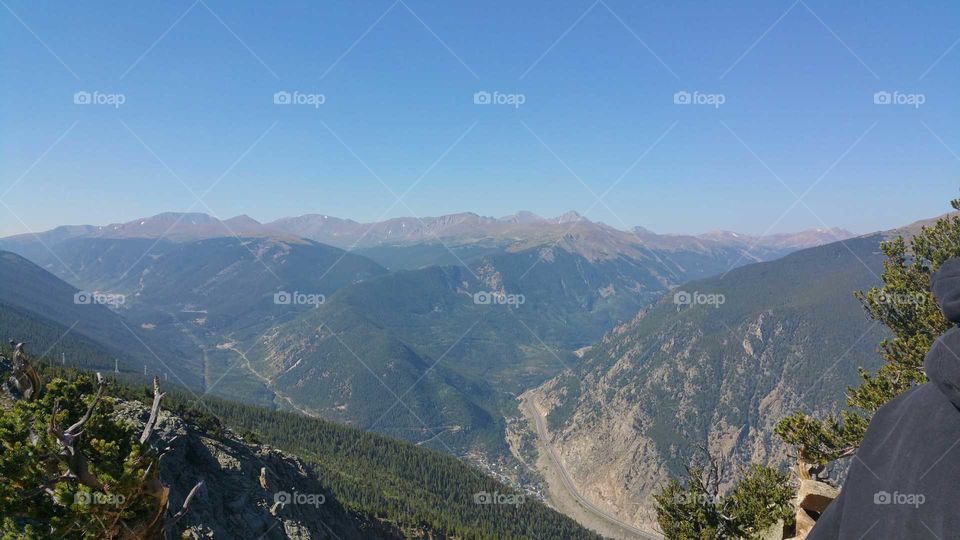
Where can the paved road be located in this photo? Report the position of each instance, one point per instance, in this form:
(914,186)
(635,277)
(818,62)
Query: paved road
(571,488)
(269,384)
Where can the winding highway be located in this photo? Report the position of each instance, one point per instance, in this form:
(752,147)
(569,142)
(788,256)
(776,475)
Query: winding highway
(631,531)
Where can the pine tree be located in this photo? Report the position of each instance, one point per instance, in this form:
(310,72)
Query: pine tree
(904,304)
(696,510)
(69,468)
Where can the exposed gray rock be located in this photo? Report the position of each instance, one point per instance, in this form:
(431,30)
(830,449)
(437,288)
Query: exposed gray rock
(815,496)
(251,490)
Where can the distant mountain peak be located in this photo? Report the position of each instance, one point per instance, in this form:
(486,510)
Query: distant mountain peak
(570,217)
(242,219)
(174,226)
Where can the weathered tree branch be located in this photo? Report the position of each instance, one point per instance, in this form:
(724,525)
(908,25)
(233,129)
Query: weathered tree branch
(154,412)
(171,522)
(77,428)
(76,462)
(24,378)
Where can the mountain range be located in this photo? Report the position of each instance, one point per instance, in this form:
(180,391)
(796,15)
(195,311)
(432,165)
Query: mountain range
(516,232)
(429,329)
(200,283)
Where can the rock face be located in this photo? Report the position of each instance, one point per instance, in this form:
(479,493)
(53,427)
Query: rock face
(813,498)
(816,496)
(788,335)
(246,486)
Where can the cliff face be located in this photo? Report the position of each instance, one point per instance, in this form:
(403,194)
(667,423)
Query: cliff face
(244,486)
(788,335)
(633,422)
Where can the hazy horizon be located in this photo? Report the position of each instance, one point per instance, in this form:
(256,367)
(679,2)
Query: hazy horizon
(425,217)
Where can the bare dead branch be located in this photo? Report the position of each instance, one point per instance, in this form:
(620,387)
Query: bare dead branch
(24,379)
(76,428)
(154,412)
(75,461)
(171,522)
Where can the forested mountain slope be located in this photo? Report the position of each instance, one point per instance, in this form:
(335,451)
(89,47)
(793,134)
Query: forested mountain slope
(342,482)
(67,325)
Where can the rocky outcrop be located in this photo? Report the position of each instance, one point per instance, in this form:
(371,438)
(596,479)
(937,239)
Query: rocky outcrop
(635,419)
(813,498)
(716,366)
(250,491)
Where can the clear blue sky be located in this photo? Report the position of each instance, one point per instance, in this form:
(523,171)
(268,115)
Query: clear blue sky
(198,79)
